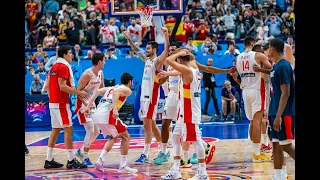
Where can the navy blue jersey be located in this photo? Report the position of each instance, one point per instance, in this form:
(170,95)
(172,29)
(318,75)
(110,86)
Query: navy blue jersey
(281,73)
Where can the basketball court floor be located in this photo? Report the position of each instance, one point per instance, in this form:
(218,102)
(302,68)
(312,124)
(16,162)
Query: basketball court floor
(231,161)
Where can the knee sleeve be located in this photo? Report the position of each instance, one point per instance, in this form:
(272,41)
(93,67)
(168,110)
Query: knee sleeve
(96,133)
(176,145)
(199,149)
(89,134)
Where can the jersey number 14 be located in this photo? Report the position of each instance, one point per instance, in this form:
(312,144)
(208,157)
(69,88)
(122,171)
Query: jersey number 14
(245,65)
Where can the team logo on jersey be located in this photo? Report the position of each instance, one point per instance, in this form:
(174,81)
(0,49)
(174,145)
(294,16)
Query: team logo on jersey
(272,74)
(53,73)
(248,75)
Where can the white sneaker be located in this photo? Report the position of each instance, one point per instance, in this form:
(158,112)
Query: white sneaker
(169,144)
(172,174)
(199,177)
(284,175)
(127,169)
(99,165)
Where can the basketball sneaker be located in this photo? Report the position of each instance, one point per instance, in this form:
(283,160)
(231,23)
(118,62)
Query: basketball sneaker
(255,158)
(264,158)
(209,153)
(199,177)
(161,158)
(99,165)
(26,152)
(78,153)
(266,149)
(52,164)
(127,169)
(142,159)
(172,174)
(284,175)
(194,159)
(184,164)
(87,162)
(75,164)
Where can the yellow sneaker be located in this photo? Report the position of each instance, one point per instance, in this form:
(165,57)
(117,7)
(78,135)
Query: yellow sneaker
(264,158)
(255,158)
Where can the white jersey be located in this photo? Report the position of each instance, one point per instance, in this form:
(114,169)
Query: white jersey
(105,105)
(173,80)
(150,88)
(90,88)
(249,78)
(165,87)
(189,98)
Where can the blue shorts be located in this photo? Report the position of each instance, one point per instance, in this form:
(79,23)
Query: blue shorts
(286,133)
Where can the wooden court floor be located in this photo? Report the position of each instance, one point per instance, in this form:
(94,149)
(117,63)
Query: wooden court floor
(231,161)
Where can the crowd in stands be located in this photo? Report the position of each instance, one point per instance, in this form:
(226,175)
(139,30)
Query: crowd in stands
(86,26)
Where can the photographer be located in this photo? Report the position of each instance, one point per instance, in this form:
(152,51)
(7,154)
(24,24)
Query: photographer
(208,44)
(202,31)
(274,24)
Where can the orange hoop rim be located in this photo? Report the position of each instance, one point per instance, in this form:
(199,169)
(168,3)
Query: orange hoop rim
(144,10)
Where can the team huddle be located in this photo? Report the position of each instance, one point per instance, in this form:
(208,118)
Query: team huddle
(177,70)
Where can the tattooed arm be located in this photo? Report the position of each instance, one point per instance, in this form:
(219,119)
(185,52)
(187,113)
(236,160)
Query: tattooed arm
(134,47)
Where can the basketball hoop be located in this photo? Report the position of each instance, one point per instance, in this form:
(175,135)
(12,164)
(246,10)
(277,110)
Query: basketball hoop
(146,14)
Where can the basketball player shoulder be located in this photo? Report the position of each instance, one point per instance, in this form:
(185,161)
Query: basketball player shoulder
(86,75)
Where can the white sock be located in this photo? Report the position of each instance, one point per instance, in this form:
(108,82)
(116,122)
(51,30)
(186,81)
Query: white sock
(202,168)
(70,155)
(284,169)
(146,150)
(265,139)
(123,160)
(49,153)
(185,156)
(256,148)
(164,148)
(277,174)
(204,144)
(160,145)
(170,136)
(176,164)
(103,154)
(85,155)
(82,149)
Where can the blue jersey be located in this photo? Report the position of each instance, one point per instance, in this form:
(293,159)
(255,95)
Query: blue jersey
(281,73)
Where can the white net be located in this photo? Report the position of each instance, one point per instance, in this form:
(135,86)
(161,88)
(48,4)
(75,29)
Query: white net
(145,16)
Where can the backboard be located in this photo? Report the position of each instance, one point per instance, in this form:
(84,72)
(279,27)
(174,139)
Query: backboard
(164,7)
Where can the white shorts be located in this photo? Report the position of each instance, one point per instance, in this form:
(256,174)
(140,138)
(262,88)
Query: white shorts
(148,110)
(254,100)
(171,107)
(82,118)
(61,117)
(188,132)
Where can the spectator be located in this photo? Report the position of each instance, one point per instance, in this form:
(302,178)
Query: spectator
(48,18)
(33,38)
(40,69)
(31,70)
(276,8)
(90,35)
(262,32)
(116,51)
(131,54)
(32,10)
(63,25)
(51,6)
(209,84)
(36,85)
(233,82)
(49,40)
(188,27)
(229,20)
(234,10)
(288,23)
(42,27)
(93,51)
(106,35)
(54,28)
(191,47)
(232,50)
(27,63)
(114,29)
(289,41)
(242,28)
(110,54)
(77,52)
(202,31)
(215,28)
(228,97)
(274,24)
(73,34)
(45,60)
(52,60)
(208,44)
(97,25)
(120,36)
(40,53)
(250,21)
(135,31)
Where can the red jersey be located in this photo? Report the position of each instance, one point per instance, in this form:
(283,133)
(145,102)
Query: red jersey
(58,98)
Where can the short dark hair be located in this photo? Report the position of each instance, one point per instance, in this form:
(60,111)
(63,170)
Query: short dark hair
(248,40)
(185,58)
(277,44)
(63,50)
(175,44)
(96,58)
(112,44)
(257,48)
(266,46)
(154,45)
(125,78)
